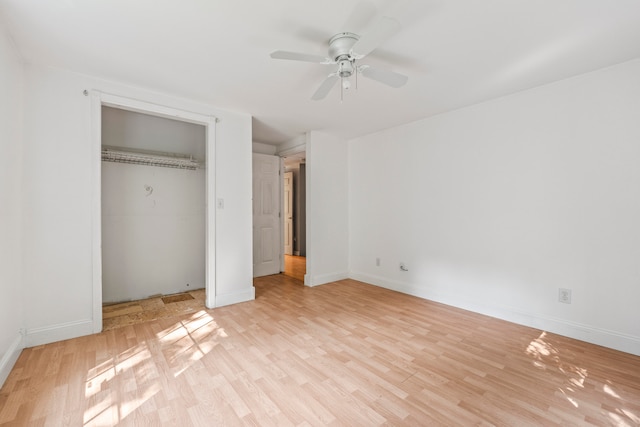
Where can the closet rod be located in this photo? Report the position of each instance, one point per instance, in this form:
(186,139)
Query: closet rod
(148,158)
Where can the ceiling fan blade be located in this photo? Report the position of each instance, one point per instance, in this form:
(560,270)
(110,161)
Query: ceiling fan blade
(368,42)
(387,77)
(325,87)
(295,56)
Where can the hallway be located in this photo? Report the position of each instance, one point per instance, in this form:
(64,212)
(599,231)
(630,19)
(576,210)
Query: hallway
(295,266)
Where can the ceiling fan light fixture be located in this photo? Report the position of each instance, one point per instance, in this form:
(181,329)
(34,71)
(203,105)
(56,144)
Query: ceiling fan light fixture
(345,68)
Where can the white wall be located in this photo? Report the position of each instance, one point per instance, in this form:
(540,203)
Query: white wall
(260,148)
(134,130)
(58,200)
(234,223)
(496,206)
(11,301)
(327,209)
(153,241)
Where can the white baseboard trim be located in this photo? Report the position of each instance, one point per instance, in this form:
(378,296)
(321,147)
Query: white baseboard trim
(228,299)
(10,357)
(59,332)
(324,278)
(606,338)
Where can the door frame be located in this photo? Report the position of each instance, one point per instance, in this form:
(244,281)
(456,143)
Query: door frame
(100,99)
(284,212)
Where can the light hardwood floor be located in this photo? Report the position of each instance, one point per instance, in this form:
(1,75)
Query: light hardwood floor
(295,266)
(344,353)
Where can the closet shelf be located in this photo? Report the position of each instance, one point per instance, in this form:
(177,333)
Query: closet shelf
(148,158)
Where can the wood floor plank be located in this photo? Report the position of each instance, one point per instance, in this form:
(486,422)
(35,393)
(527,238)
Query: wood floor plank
(345,353)
(295,266)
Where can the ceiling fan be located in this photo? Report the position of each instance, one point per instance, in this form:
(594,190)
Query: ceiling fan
(344,50)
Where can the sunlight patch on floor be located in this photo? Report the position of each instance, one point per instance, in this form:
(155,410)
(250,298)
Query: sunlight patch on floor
(607,389)
(183,344)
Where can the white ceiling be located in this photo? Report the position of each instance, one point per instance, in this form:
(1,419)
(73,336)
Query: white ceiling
(455,52)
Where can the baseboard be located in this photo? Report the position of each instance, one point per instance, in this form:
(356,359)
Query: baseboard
(10,357)
(59,332)
(228,299)
(606,338)
(324,278)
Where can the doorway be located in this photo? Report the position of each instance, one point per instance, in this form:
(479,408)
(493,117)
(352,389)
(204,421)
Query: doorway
(294,213)
(279,214)
(100,100)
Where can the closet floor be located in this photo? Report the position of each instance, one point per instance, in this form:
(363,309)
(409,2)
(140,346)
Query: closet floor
(133,312)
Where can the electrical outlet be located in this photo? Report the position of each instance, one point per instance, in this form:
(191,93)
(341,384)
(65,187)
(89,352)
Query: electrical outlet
(377,262)
(403,267)
(564,295)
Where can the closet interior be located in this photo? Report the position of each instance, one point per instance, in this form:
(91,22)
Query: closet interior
(153,205)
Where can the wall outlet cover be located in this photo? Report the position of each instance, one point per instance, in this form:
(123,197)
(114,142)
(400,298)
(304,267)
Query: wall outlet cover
(564,295)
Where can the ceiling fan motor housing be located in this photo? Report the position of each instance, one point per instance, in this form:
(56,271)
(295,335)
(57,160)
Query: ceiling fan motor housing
(340,46)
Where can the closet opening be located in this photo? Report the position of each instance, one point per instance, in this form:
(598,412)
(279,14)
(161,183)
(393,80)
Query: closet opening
(153,216)
(153,232)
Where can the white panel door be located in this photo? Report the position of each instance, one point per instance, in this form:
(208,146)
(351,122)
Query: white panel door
(288,213)
(266,218)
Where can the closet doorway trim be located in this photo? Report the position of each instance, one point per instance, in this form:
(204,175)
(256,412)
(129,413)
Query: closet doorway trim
(100,99)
